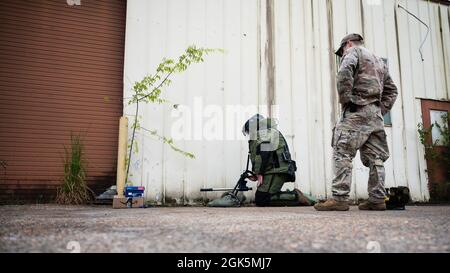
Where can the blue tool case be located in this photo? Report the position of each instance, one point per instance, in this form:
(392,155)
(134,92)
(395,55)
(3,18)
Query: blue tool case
(134,191)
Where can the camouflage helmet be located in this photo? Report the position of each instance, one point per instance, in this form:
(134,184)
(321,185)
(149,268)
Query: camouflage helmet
(253,121)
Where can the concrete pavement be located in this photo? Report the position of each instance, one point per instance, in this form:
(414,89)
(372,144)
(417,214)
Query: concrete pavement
(53,228)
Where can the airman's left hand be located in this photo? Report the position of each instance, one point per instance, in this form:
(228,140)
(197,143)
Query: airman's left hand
(260,180)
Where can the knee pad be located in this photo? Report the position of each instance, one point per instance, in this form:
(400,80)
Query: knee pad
(262,199)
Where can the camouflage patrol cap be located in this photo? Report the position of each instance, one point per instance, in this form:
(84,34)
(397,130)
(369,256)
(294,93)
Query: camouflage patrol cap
(349,37)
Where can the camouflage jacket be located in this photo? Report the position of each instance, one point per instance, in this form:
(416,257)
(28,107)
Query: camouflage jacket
(363,78)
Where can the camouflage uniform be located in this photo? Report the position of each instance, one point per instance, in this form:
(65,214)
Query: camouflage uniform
(366,92)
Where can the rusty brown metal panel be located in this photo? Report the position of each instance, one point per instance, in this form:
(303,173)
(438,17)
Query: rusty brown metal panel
(61,71)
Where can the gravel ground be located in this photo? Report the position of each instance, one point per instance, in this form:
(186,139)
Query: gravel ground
(52,228)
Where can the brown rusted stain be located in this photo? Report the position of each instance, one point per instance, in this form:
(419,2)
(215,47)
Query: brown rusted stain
(270,55)
(332,60)
(361,6)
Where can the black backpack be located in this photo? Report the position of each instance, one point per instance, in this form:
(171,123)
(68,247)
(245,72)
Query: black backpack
(398,197)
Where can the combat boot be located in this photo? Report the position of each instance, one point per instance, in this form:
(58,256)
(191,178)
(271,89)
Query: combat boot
(302,199)
(332,205)
(367,205)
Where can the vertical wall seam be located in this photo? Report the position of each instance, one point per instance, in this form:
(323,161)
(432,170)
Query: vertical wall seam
(305,63)
(205,38)
(241,146)
(291,63)
(423,63)
(441,29)
(322,119)
(388,53)
(418,147)
(186,90)
(413,92)
(346,17)
(224,171)
(312,168)
(258,50)
(433,53)
(163,151)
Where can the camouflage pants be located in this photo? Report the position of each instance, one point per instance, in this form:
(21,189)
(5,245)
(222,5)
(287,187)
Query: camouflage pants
(362,130)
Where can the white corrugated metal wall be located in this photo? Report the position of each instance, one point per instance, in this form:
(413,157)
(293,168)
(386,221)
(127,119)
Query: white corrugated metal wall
(297,38)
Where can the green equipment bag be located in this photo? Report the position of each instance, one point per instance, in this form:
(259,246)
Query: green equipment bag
(228,200)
